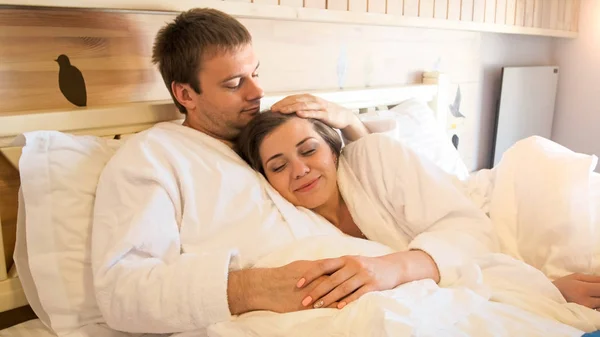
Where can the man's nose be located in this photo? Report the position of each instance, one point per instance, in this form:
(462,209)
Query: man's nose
(255,91)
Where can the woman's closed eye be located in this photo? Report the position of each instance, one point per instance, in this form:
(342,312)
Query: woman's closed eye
(278,167)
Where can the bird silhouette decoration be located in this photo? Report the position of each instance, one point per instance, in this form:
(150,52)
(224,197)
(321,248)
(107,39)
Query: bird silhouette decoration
(455,107)
(455,141)
(71,82)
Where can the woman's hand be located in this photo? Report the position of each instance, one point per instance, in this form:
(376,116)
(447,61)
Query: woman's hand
(334,115)
(581,289)
(353,276)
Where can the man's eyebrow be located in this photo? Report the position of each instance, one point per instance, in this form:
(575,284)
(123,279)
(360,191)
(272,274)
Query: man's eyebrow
(238,75)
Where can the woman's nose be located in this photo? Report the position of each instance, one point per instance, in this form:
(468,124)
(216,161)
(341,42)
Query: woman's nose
(299,169)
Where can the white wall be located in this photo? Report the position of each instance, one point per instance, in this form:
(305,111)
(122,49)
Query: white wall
(497,51)
(577,116)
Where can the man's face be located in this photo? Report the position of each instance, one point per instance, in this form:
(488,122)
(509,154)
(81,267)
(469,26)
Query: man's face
(230,94)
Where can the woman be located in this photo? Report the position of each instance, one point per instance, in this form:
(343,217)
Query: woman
(375,189)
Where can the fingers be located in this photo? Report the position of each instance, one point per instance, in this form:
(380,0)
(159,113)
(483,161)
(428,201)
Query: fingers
(298,106)
(353,297)
(292,99)
(588,278)
(315,114)
(338,278)
(322,267)
(341,291)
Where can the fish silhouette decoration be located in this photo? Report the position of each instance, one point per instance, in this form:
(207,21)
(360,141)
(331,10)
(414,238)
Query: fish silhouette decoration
(71,82)
(455,107)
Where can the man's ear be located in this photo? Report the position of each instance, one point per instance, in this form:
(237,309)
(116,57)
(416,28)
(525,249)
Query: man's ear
(184,95)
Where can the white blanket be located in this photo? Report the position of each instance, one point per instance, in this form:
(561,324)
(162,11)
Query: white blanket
(468,308)
(544,206)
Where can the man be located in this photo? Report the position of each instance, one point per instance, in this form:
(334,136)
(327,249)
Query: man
(178,214)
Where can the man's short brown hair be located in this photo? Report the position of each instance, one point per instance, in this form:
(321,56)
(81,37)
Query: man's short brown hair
(194,35)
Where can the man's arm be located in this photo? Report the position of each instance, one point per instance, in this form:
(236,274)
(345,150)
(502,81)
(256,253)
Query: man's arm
(143,282)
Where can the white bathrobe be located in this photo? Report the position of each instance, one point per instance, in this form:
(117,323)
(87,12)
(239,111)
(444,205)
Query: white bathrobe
(399,199)
(175,211)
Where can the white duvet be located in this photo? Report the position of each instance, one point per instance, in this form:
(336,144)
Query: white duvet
(540,200)
(544,201)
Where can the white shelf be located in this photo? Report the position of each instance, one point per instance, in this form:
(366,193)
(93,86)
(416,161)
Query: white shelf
(250,10)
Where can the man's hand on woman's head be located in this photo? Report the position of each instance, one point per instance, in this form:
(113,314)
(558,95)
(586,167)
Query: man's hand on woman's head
(334,115)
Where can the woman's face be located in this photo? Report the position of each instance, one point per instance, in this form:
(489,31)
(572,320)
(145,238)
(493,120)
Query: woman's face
(299,164)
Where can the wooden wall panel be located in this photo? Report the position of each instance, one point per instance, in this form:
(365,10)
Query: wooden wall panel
(426,8)
(575,18)
(291,3)
(394,7)
(520,13)
(560,20)
(466,10)
(501,12)
(319,4)
(511,11)
(529,12)
(337,5)
(454,9)
(441,9)
(9,188)
(568,15)
(538,12)
(479,10)
(376,6)
(31,42)
(490,11)
(357,5)
(550,19)
(266,2)
(411,8)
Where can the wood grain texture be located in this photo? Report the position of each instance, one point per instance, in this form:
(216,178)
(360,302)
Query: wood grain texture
(568,15)
(112,50)
(9,188)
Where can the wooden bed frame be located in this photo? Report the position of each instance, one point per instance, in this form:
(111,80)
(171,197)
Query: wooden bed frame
(131,118)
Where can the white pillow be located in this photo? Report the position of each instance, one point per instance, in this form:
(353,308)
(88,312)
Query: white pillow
(59,174)
(413,123)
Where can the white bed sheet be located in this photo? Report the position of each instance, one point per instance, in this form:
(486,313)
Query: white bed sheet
(32,328)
